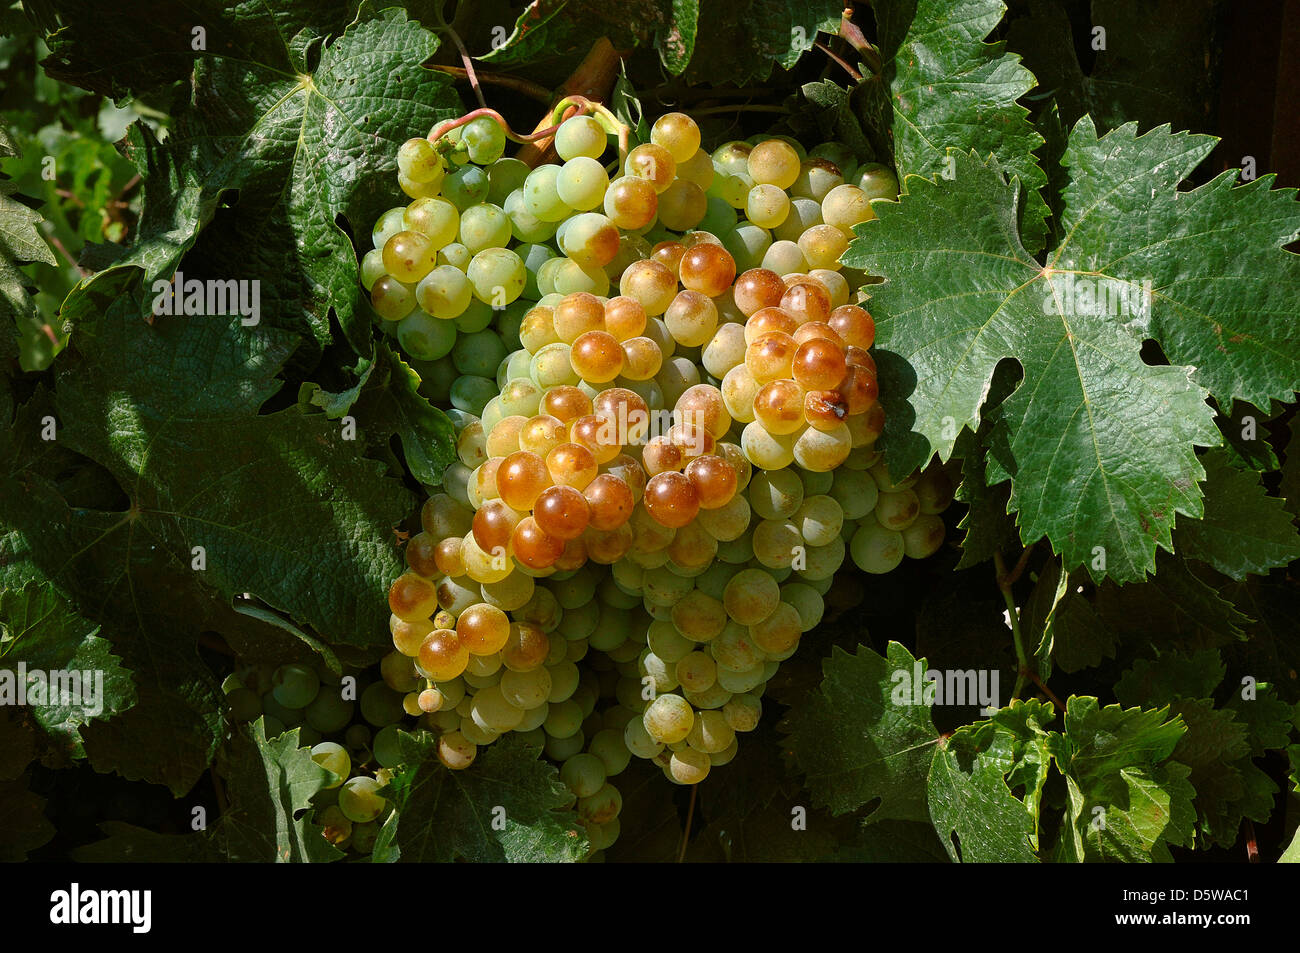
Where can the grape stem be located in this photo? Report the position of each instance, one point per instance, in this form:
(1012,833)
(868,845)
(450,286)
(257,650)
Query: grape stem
(517,83)
(857,77)
(1005,581)
(686,832)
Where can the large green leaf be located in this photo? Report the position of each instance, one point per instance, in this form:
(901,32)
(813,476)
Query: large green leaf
(1244,530)
(1099,444)
(45,634)
(854,743)
(950,89)
(306,131)
(505,806)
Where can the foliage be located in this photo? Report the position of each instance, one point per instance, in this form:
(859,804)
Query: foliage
(1092,328)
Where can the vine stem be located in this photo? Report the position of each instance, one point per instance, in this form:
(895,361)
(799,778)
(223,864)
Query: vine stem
(517,83)
(857,77)
(1005,581)
(749,108)
(686,833)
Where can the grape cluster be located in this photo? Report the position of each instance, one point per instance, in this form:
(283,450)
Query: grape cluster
(666,415)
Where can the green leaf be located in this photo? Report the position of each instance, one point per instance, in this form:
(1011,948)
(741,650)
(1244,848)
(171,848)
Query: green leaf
(676,41)
(23,824)
(1171,676)
(744,39)
(304,143)
(969,791)
(854,743)
(283,507)
(1099,444)
(80,677)
(1224,291)
(442,814)
(1069,634)
(951,90)
(20,241)
(391,403)
(1127,799)
(269,786)
(1244,529)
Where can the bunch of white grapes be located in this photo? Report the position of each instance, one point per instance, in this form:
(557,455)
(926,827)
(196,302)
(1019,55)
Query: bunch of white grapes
(666,413)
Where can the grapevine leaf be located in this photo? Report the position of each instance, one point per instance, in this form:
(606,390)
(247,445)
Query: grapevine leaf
(834,117)
(1169,677)
(1244,530)
(1253,452)
(282,507)
(1069,633)
(1099,444)
(1224,291)
(969,791)
(1292,854)
(304,144)
(23,824)
(1127,800)
(392,403)
(505,806)
(856,743)
(17,743)
(950,89)
(1289,488)
(20,241)
(1266,717)
(676,41)
(893,842)
(80,677)
(270,784)
(745,39)
(1272,650)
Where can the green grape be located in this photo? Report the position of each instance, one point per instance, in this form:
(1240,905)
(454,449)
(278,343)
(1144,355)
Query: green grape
(380,705)
(484,226)
(551,367)
(639,741)
(875,549)
(819,520)
(564,719)
(720,217)
(526,226)
(329,711)
(580,136)
(855,491)
(295,685)
(876,181)
(272,727)
(581,183)
(590,239)
(308,736)
(504,177)
(289,717)
(471,394)
(517,369)
(608,745)
(372,267)
(391,299)
(748,244)
(804,214)
(245,705)
(743,712)
(540,196)
(668,718)
(562,749)
(534,256)
(444,292)
(775,494)
(579,622)
(435,218)
(546,276)
(785,258)
(387,225)
(511,317)
(485,139)
(497,276)
(334,759)
(465,187)
(456,255)
(601,807)
(583,774)
(807,601)
(565,677)
(767,206)
(577,590)
(418,161)
(924,536)
(751,596)
(478,354)
(426,337)
(571,277)
(476,316)
(359,800)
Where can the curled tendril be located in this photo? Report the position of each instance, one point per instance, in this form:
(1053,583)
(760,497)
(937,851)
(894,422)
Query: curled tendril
(584,106)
